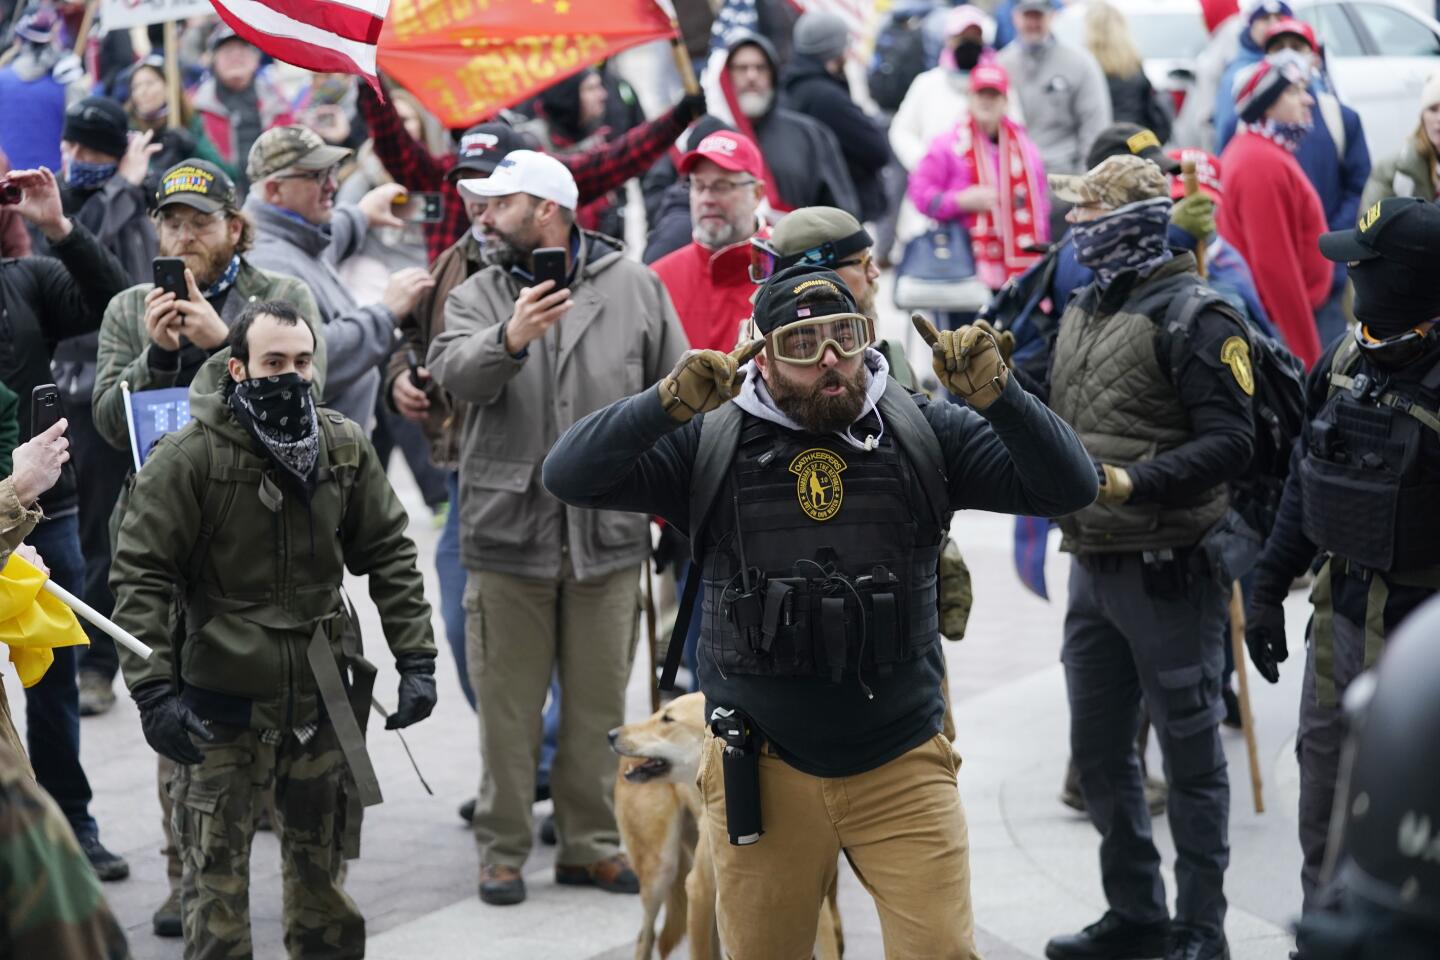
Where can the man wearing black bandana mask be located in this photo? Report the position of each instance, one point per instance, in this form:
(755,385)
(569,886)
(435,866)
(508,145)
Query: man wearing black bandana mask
(1359,504)
(248,518)
(1164,409)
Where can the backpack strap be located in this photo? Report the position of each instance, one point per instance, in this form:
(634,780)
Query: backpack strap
(900,411)
(1342,368)
(1180,317)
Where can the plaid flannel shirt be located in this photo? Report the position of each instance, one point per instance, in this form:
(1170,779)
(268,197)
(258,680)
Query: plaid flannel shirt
(596,171)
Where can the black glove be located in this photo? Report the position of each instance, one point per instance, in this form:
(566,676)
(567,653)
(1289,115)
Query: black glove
(169,724)
(690,108)
(1265,636)
(417,690)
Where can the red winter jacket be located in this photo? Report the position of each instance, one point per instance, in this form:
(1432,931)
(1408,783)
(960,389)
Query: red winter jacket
(1273,217)
(711,291)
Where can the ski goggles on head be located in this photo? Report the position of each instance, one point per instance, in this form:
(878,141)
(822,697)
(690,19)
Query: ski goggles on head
(1398,351)
(804,341)
(766,261)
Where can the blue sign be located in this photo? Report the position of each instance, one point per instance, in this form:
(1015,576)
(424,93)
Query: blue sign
(155,413)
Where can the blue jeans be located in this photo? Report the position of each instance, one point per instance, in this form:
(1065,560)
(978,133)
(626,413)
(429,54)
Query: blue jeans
(452,612)
(52,706)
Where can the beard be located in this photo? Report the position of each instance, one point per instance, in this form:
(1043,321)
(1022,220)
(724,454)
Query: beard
(714,236)
(754,103)
(511,249)
(207,265)
(814,410)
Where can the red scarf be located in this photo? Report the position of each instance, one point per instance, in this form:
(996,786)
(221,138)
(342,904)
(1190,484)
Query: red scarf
(1001,237)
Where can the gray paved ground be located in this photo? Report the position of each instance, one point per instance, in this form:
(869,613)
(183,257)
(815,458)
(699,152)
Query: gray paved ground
(1034,861)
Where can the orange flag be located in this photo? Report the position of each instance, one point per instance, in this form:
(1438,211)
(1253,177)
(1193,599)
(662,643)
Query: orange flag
(466,59)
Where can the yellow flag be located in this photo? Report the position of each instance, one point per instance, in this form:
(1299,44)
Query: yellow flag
(33,622)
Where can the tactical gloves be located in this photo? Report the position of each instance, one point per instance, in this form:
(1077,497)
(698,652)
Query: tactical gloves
(417,690)
(968,361)
(1005,341)
(1115,484)
(169,724)
(1195,215)
(1265,637)
(704,379)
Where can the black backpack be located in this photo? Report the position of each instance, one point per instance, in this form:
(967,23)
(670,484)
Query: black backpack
(1278,408)
(899,58)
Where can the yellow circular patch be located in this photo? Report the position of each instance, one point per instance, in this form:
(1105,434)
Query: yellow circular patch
(1235,354)
(817,483)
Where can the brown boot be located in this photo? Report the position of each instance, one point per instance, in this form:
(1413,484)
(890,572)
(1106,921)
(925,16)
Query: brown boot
(501,885)
(613,874)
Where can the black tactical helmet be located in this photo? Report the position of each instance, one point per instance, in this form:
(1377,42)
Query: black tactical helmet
(1389,852)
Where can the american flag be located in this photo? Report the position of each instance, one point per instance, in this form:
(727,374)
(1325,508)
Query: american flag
(327,36)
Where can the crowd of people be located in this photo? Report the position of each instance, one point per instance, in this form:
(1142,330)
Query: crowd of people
(333,277)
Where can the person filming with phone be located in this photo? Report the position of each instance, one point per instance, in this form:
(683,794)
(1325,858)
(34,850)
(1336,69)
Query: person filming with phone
(558,324)
(46,299)
(300,231)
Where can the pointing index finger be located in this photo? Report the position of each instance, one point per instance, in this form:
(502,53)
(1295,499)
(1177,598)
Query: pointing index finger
(746,352)
(925,328)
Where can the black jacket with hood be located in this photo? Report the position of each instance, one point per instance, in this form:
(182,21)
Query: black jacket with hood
(816,92)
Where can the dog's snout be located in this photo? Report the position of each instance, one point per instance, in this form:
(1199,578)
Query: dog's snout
(613,735)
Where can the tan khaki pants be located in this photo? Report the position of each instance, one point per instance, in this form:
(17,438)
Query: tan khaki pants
(901,827)
(518,630)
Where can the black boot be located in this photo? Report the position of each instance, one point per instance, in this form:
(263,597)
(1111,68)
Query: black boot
(1187,943)
(1112,937)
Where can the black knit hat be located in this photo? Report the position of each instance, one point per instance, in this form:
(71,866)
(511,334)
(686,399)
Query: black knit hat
(98,123)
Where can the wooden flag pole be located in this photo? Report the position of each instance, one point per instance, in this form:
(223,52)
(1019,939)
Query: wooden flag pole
(1247,719)
(85,25)
(683,66)
(1192,184)
(172,76)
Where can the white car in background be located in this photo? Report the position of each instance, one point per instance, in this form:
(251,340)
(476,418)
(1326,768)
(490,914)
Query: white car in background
(1379,53)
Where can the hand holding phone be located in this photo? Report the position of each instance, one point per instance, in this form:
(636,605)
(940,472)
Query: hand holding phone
(418,207)
(45,408)
(170,276)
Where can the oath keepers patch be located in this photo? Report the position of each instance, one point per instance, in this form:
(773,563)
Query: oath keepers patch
(1235,354)
(817,483)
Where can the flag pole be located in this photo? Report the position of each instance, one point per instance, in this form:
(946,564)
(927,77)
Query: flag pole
(683,66)
(172,77)
(98,619)
(130,423)
(85,24)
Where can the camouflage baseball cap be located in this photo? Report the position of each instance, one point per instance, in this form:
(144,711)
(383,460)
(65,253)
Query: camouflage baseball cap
(1113,183)
(291,148)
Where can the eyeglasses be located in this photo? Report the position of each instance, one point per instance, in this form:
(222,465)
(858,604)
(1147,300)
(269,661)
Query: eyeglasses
(719,189)
(321,177)
(172,223)
(803,343)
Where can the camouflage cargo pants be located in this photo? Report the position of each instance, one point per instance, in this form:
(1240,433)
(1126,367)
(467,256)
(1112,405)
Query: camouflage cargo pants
(214,822)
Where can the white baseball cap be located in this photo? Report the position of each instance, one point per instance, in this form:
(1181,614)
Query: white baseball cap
(526,171)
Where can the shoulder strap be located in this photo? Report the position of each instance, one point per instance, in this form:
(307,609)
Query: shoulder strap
(1341,364)
(220,489)
(719,439)
(901,413)
(1184,309)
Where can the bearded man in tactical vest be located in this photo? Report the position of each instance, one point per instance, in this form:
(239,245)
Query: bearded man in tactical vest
(1158,385)
(816,504)
(246,520)
(1359,503)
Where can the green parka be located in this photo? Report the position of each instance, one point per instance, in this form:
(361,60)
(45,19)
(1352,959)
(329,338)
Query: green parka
(255,581)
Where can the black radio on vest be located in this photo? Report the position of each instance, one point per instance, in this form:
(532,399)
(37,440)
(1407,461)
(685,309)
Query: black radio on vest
(740,764)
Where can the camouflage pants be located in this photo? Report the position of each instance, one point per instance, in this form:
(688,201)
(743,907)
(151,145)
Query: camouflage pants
(214,822)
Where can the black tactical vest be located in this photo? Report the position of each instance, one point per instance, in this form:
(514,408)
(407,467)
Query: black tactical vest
(840,549)
(1369,495)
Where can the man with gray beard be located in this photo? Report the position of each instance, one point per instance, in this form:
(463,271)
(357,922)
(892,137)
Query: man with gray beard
(804,164)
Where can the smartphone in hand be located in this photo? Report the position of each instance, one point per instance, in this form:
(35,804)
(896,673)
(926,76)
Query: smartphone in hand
(419,208)
(45,408)
(170,276)
(549,264)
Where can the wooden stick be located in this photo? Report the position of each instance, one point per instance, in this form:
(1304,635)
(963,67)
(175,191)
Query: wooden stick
(1192,184)
(1247,719)
(85,25)
(653,639)
(683,66)
(172,77)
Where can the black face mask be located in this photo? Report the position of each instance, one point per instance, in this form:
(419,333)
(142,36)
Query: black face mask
(967,54)
(280,414)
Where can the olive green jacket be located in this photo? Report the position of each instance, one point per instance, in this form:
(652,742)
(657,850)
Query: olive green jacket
(1403,174)
(256,580)
(124,353)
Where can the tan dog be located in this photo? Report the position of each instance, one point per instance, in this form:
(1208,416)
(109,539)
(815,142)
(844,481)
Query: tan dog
(662,825)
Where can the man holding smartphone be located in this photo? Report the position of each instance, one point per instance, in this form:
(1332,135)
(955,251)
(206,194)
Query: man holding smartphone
(47,299)
(551,586)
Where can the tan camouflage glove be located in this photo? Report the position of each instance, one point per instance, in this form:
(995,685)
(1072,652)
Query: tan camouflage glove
(968,361)
(704,379)
(1005,341)
(1115,485)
